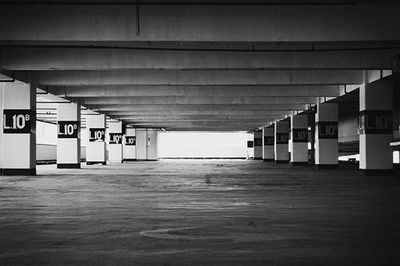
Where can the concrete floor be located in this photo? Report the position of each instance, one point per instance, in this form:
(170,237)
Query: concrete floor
(199,213)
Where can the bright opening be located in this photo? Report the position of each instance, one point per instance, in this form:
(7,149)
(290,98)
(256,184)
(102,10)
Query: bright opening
(203,144)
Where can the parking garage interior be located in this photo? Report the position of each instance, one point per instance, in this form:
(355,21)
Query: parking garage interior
(173,132)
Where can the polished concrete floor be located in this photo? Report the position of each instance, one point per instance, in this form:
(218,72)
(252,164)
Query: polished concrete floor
(199,213)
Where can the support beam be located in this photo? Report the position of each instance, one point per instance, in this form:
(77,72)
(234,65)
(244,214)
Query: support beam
(268,144)
(129,145)
(198,107)
(115,138)
(18,129)
(281,148)
(69,135)
(258,145)
(192,77)
(299,139)
(326,136)
(196,91)
(15,58)
(177,100)
(376,127)
(96,145)
(199,23)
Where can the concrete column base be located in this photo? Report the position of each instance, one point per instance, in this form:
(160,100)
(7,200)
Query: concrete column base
(69,165)
(17,171)
(298,163)
(281,161)
(376,172)
(92,163)
(326,166)
(269,160)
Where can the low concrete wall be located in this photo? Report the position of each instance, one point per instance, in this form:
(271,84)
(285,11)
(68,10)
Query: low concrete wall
(47,153)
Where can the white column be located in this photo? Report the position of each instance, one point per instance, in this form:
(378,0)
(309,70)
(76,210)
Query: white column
(152,145)
(18,132)
(129,145)
(258,145)
(268,144)
(299,139)
(376,128)
(326,136)
(281,147)
(141,139)
(115,142)
(250,146)
(96,145)
(68,135)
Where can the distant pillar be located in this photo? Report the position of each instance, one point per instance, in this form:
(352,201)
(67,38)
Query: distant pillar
(115,142)
(326,136)
(68,135)
(18,132)
(268,144)
(258,145)
(96,146)
(376,128)
(281,147)
(250,146)
(129,145)
(299,139)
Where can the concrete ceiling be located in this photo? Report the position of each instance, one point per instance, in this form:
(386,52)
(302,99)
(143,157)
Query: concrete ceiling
(226,65)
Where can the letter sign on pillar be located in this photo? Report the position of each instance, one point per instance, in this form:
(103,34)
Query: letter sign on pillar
(327,130)
(376,122)
(269,140)
(300,135)
(282,138)
(17,121)
(97,135)
(115,138)
(130,140)
(68,129)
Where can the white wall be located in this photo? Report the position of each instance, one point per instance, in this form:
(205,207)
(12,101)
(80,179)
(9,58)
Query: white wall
(203,144)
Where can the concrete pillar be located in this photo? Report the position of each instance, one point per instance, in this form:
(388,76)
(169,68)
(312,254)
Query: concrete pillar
(129,145)
(268,144)
(96,146)
(115,130)
(376,128)
(152,145)
(281,147)
(69,135)
(18,133)
(326,136)
(250,146)
(146,144)
(299,139)
(258,145)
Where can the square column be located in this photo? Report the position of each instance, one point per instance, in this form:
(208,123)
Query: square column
(281,147)
(68,135)
(250,146)
(152,145)
(115,142)
(129,145)
(258,145)
(376,128)
(18,132)
(299,139)
(326,136)
(268,144)
(96,145)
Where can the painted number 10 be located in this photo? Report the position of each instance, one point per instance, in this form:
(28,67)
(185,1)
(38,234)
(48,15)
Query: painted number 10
(18,121)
